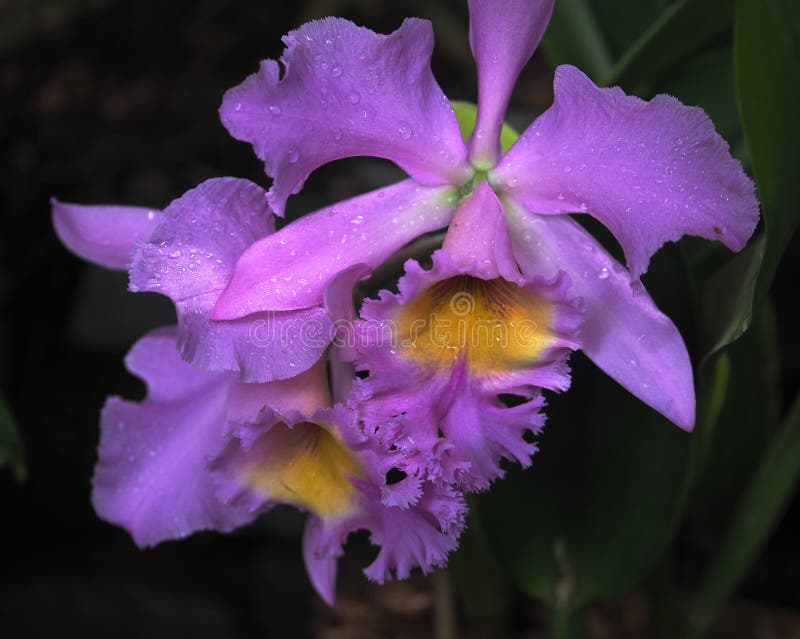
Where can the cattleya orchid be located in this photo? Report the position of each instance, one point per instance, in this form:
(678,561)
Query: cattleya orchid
(253,398)
(207,450)
(453,340)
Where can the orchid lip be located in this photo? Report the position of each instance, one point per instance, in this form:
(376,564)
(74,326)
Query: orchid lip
(306,465)
(493,324)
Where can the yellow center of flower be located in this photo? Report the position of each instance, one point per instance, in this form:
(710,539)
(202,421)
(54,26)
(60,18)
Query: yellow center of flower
(306,466)
(495,324)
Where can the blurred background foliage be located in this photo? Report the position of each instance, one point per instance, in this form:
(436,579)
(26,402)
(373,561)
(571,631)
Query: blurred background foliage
(623,527)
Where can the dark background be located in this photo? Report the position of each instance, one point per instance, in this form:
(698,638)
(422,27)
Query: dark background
(111,101)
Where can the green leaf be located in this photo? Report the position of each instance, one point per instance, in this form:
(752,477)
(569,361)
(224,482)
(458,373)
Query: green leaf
(712,391)
(766,55)
(482,589)
(601,500)
(748,418)
(726,303)
(758,513)
(622,21)
(575,37)
(767,49)
(683,29)
(11,451)
(467,114)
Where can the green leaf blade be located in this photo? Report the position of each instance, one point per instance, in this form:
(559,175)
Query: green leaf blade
(767,56)
(11,450)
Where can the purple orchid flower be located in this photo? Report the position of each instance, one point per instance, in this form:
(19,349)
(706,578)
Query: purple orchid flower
(651,172)
(209,449)
(457,337)
(239,415)
(206,450)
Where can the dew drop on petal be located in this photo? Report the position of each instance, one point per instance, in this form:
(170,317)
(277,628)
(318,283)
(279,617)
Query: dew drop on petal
(604,274)
(274,109)
(354,97)
(336,71)
(405,132)
(293,156)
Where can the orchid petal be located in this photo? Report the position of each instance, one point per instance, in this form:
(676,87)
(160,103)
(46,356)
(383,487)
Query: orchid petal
(151,477)
(483,431)
(624,334)
(503,34)
(190,257)
(338,303)
(290,269)
(348,91)
(650,171)
(477,237)
(321,566)
(103,234)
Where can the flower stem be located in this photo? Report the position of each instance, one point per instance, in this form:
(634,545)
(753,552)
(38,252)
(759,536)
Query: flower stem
(759,511)
(444,609)
(565,622)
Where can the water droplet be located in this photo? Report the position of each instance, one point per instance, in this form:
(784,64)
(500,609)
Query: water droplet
(354,97)
(274,109)
(151,215)
(405,132)
(337,71)
(604,274)
(338,134)
(238,106)
(293,156)
(175,254)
